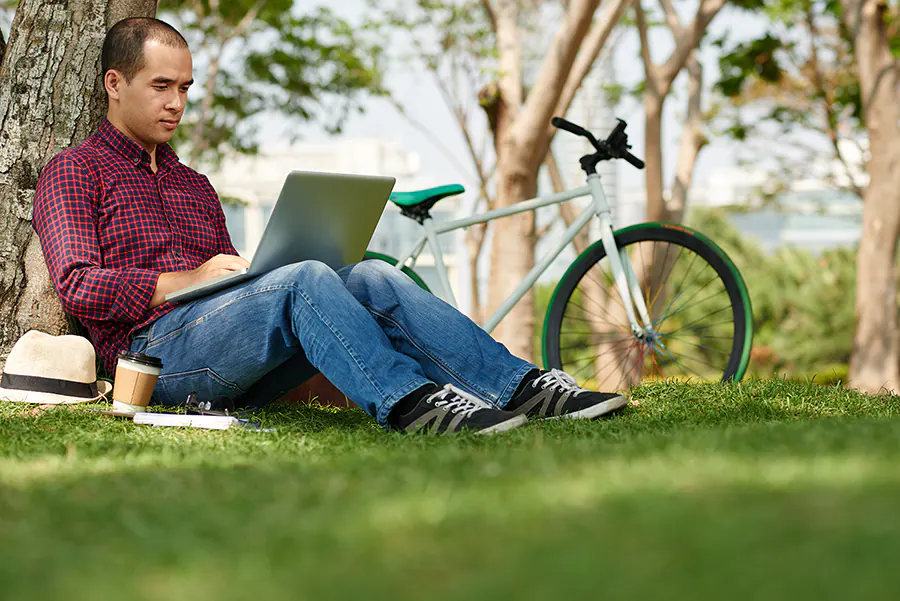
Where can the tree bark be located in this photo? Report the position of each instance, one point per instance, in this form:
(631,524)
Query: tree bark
(874,362)
(521,140)
(51,97)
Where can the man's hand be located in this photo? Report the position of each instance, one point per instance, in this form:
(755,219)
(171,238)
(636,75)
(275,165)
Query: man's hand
(176,280)
(218,265)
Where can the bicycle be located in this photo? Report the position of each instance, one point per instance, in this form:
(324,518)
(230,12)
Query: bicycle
(626,322)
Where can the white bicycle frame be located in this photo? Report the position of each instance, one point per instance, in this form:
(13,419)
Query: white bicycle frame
(624,277)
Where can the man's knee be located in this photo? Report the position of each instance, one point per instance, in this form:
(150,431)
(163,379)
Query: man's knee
(376,270)
(304,271)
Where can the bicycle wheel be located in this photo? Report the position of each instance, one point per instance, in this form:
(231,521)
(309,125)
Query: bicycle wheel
(701,320)
(370,255)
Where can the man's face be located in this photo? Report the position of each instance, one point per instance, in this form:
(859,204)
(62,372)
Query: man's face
(151,105)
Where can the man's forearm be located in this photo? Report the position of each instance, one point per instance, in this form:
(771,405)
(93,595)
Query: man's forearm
(169,282)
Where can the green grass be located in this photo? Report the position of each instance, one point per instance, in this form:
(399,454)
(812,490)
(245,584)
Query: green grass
(765,490)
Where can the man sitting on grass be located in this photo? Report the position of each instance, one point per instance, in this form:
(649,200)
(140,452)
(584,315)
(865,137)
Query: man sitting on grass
(122,223)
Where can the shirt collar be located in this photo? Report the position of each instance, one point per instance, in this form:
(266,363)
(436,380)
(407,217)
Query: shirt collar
(134,152)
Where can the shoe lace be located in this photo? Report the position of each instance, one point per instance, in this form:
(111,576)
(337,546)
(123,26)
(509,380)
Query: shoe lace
(555,378)
(457,401)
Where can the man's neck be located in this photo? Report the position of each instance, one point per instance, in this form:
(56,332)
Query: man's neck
(150,148)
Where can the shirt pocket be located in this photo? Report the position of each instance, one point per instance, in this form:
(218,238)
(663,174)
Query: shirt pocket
(196,219)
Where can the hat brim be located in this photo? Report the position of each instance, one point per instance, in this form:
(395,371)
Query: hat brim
(16,395)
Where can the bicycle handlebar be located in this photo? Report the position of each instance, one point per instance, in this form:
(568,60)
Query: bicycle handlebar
(634,160)
(569,127)
(615,145)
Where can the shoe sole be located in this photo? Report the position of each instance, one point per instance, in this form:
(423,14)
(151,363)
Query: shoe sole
(594,411)
(510,424)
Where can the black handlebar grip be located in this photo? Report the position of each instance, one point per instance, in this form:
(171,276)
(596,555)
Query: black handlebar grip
(568,126)
(634,160)
(620,127)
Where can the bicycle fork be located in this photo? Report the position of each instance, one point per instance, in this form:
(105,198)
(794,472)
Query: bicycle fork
(626,281)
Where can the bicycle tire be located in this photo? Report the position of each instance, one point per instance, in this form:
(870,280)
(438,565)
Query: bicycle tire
(677,235)
(371,255)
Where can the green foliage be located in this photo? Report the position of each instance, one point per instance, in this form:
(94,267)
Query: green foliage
(311,66)
(753,59)
(795,83)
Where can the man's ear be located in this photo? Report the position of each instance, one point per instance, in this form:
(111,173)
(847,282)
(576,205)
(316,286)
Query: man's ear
(112,81)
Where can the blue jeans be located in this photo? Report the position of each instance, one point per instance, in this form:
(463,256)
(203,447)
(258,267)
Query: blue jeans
(368,328)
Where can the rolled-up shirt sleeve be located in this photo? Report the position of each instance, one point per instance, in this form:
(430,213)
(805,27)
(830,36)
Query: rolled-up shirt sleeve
(65,219)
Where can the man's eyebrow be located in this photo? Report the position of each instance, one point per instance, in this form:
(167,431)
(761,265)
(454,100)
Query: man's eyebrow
(162,79)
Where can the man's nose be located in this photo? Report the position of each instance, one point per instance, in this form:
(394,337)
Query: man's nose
(176,101)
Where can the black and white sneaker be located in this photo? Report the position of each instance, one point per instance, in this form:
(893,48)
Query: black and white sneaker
(555,394)
(449,410)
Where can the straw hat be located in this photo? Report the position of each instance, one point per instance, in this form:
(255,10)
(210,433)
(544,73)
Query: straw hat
(51,370)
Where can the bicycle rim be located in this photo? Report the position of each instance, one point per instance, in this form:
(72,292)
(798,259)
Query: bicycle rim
(699,309)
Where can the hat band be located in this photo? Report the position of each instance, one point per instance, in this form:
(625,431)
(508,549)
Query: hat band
(51,385)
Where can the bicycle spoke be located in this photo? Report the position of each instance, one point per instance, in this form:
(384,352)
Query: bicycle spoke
(702,318)
(667,315)
(685,292)
(684,307)
(611,320)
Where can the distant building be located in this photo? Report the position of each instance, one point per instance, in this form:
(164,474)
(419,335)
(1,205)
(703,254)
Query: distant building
(256,181)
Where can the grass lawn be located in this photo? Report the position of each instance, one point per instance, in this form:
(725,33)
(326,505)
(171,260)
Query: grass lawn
(766,490)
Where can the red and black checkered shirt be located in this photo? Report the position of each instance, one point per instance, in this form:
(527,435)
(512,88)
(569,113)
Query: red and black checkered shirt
(109,226)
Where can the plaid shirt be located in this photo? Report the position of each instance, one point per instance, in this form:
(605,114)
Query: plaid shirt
(109,226)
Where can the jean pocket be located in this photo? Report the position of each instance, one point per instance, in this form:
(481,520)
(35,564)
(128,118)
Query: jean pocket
(172,389)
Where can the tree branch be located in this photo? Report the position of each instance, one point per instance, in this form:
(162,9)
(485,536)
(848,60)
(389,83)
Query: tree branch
(543,98)
(442,148)
(244,23)
(690,39)
(489,10)
(641,21)
(672,19)
(584,61)
(831,119)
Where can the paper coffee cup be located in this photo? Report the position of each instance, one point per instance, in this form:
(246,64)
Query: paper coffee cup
(136,375)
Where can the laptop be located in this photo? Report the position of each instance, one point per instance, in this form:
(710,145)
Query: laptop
(327,217)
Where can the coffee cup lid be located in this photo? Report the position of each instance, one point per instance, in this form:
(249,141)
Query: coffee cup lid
(141,358)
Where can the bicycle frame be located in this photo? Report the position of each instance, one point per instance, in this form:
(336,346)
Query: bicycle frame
(624,277)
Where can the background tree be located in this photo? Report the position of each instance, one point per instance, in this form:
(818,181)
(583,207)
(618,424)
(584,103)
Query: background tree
(453,45)
(797,84)
(659,77)
(876,344)
(261,58)
(51,97)
(823,82)
(518,116)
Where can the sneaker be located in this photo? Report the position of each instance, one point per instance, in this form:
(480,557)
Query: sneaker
(450,410)
(555,394)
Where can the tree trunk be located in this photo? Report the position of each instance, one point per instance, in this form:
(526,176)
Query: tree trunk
(512,252)
(874,362)
(692,142)
(51,97)
(653,105)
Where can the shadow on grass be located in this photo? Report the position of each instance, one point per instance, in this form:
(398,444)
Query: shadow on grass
(294,532)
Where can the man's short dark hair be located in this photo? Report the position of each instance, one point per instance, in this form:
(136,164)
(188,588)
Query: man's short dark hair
(123,47)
